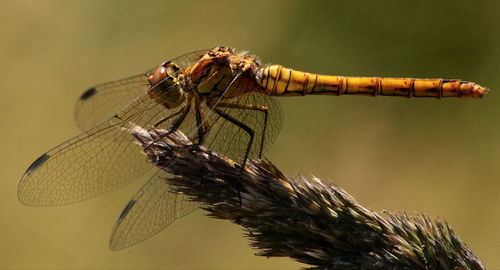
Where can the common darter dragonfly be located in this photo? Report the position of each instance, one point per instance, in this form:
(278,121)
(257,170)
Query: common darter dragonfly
(219,98)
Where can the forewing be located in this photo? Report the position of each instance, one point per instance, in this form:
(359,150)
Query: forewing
(152,209)
(102,101)
(100,159)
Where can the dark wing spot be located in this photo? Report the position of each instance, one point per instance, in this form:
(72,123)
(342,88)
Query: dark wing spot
(127,209)
(88,93)
(37,163)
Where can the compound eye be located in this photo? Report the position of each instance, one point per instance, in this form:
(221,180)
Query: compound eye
(172,68)
(158,76)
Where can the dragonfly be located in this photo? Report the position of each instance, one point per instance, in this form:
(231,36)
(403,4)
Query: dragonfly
(220,98)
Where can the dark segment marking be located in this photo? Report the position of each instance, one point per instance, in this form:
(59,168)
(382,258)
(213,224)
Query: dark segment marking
(403,89)
(411,92)
(278,76)
(371,89)
(440,89)
(315,82)
(127,209)
(289,78)
(432,90)
(88,93)
(305,83)
(454,90)
(346,85)
(341,86)
(267,77)
(329,92)
(37,163)
(378,87)
(459,92)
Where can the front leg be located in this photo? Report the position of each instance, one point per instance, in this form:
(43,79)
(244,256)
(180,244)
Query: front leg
(175,125)
(161,121)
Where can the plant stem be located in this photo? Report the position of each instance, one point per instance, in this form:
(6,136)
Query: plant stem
(310,221)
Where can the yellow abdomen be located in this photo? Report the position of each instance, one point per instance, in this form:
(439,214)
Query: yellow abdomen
(280,81)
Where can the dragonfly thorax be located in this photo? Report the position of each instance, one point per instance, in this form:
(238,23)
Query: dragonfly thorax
(165,85)
(217,80)
(218,73)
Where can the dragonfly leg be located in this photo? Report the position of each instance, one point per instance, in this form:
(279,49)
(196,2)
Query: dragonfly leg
(177,122)
(206,123)
(241,125)
(259,108)
(200,124)
(247,129)
(168,117)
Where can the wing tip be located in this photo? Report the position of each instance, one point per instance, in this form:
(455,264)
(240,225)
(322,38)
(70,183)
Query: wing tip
(88,93)
(116,243)
(114,246)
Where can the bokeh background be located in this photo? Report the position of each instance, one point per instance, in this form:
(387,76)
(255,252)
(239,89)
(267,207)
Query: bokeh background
(439,157)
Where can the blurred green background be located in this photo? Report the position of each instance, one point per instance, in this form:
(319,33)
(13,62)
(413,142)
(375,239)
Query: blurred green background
(439,157)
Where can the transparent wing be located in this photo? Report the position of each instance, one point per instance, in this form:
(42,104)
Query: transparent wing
(152,209)
(100,159)
(105,157)
(102,101)
(155,207)
(261,113)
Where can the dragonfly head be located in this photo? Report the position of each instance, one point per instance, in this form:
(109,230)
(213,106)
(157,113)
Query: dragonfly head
(164,85)
(166,73)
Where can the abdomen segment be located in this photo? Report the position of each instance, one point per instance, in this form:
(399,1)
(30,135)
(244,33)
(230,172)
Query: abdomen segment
(281,81)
